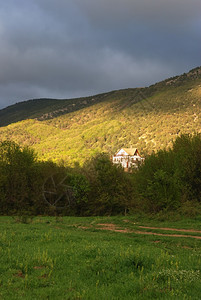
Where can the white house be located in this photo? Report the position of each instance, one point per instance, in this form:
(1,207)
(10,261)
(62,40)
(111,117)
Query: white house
(128,158)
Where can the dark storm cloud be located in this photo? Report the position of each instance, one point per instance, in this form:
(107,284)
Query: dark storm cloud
(70,48)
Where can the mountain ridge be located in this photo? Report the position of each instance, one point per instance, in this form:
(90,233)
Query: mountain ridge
(48,108)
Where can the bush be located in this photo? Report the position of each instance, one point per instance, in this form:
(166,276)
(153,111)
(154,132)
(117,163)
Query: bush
(156,183)
(190,209)
(110,187)
(171,177)
(18,178)
(80,189)
(187,149)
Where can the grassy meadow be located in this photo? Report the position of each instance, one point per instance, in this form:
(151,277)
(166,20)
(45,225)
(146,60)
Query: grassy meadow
(99,258)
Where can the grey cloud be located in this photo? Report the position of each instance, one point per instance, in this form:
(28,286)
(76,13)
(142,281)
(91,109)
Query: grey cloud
(59,48)
(120,11)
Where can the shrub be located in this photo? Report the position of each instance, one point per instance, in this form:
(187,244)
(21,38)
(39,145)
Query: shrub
(171,177)
(18,176)
(111,188)
(187,149)
(156,183)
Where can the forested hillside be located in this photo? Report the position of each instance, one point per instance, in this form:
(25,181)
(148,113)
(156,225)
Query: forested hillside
(73,130)
(43,109)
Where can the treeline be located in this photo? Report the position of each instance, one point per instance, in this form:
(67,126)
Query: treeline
(169,180)
(30,186)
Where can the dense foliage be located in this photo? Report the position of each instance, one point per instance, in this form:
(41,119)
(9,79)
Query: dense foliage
(111,188)
(30,186)
(171,178)
(168,180)
(18,178)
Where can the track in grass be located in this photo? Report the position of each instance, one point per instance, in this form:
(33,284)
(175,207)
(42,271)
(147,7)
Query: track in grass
(113,227)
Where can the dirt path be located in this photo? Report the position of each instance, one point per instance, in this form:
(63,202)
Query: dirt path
(171,229)
(113,227)
(166,234)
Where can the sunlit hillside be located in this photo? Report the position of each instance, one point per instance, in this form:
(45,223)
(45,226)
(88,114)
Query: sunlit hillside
(147,118)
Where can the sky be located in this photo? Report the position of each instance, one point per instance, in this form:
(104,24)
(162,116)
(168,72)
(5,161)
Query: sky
(75,48)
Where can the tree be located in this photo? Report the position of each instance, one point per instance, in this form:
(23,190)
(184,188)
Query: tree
(156,183)
(17,177)
(187,149)
(171,177)
(111,189)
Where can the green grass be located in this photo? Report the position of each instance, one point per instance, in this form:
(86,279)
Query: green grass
(73,258)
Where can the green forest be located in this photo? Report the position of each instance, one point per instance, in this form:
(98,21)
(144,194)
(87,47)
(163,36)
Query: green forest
(168,180)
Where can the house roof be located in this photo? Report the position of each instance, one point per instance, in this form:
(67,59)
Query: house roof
(130,151)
